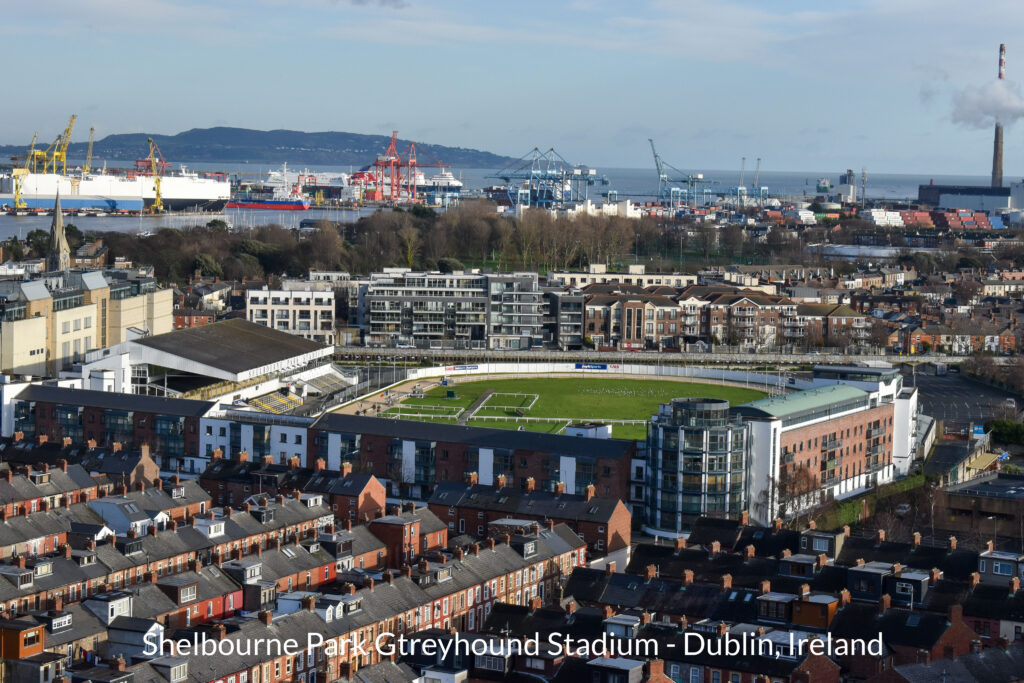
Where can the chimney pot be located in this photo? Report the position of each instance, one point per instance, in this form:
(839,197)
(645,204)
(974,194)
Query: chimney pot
(884,603)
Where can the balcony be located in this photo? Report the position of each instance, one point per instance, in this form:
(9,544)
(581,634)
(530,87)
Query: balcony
(831,445)
(877,449)
(876,432)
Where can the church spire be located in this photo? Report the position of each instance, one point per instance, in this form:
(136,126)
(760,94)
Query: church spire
(59,256)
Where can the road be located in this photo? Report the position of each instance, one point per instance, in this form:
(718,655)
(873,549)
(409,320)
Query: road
(952,397)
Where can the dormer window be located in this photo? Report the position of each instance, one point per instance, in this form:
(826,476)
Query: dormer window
(60,623)
(188,594)
(43,569)
(178,492)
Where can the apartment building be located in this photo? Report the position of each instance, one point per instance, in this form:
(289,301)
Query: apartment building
(414,457)
(747,319)
(817,445)
(562,312)
(461,309)
(306,309)
(697,463)
(597,273)
(633,320)
(826,324)
(169,426)
(48,324)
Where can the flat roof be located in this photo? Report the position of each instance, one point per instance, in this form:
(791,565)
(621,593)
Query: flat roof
(991,486)
(110,400)
(233,345)
(808,401)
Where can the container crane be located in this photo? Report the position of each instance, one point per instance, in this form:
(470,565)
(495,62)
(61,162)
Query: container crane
(88,154)
(671,195)
(546,179)
(158,203)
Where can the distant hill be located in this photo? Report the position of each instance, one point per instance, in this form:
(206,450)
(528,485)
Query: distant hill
(242,145)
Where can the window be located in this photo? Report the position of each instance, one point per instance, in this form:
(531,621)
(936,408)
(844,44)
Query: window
(821,545)
(490,663)
(284,438)
(904,588)
(1002,568)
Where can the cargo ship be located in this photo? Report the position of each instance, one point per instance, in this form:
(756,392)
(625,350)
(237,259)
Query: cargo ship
(113,192)
(278,194)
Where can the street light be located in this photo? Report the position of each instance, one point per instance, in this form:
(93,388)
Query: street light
(995,530)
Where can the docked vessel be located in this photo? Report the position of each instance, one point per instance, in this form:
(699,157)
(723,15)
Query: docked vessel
(824,185)
(278,194)
(181,190)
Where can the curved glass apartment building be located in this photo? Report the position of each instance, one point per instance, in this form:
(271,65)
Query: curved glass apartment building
(696,464)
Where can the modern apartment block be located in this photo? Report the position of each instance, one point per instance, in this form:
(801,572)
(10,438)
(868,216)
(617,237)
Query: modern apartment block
(697,463)
(563,318)
(306,309)
(813,446)
(853,430)
(48,324)
(464,309)
(597,273)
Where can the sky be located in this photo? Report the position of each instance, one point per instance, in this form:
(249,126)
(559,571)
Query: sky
(804,86)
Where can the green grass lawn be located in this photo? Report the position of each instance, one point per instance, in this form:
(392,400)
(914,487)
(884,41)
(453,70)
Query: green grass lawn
(578,399)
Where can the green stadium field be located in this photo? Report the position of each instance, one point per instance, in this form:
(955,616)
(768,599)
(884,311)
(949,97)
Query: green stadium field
(568,399)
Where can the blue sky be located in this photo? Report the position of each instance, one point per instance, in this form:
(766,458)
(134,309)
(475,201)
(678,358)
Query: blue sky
(806,86)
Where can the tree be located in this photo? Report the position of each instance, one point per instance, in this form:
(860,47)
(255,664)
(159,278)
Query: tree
(217,225)
(966,290)
(732,237)
(207,265)
(410,244)
(449,264)
(879,334)
(13,250)
(74,236)
(38,242)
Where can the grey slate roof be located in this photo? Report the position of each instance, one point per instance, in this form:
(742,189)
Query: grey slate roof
(477,436)
(109,400)
(515,502)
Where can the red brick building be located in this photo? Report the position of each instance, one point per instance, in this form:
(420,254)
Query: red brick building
(603,523)
(185,317)
(409,533)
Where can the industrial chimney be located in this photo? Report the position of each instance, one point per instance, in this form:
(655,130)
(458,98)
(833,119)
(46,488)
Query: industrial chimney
(997,145)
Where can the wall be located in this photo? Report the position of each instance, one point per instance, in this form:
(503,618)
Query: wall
(23,346)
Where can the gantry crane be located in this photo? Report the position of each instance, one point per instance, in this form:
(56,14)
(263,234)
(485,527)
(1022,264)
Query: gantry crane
(158,203)
(20,171)
(546,179)
(56,155)
(88,154)
(671,195)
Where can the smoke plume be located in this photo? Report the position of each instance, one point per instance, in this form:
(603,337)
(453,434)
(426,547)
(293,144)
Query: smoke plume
(998,101)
